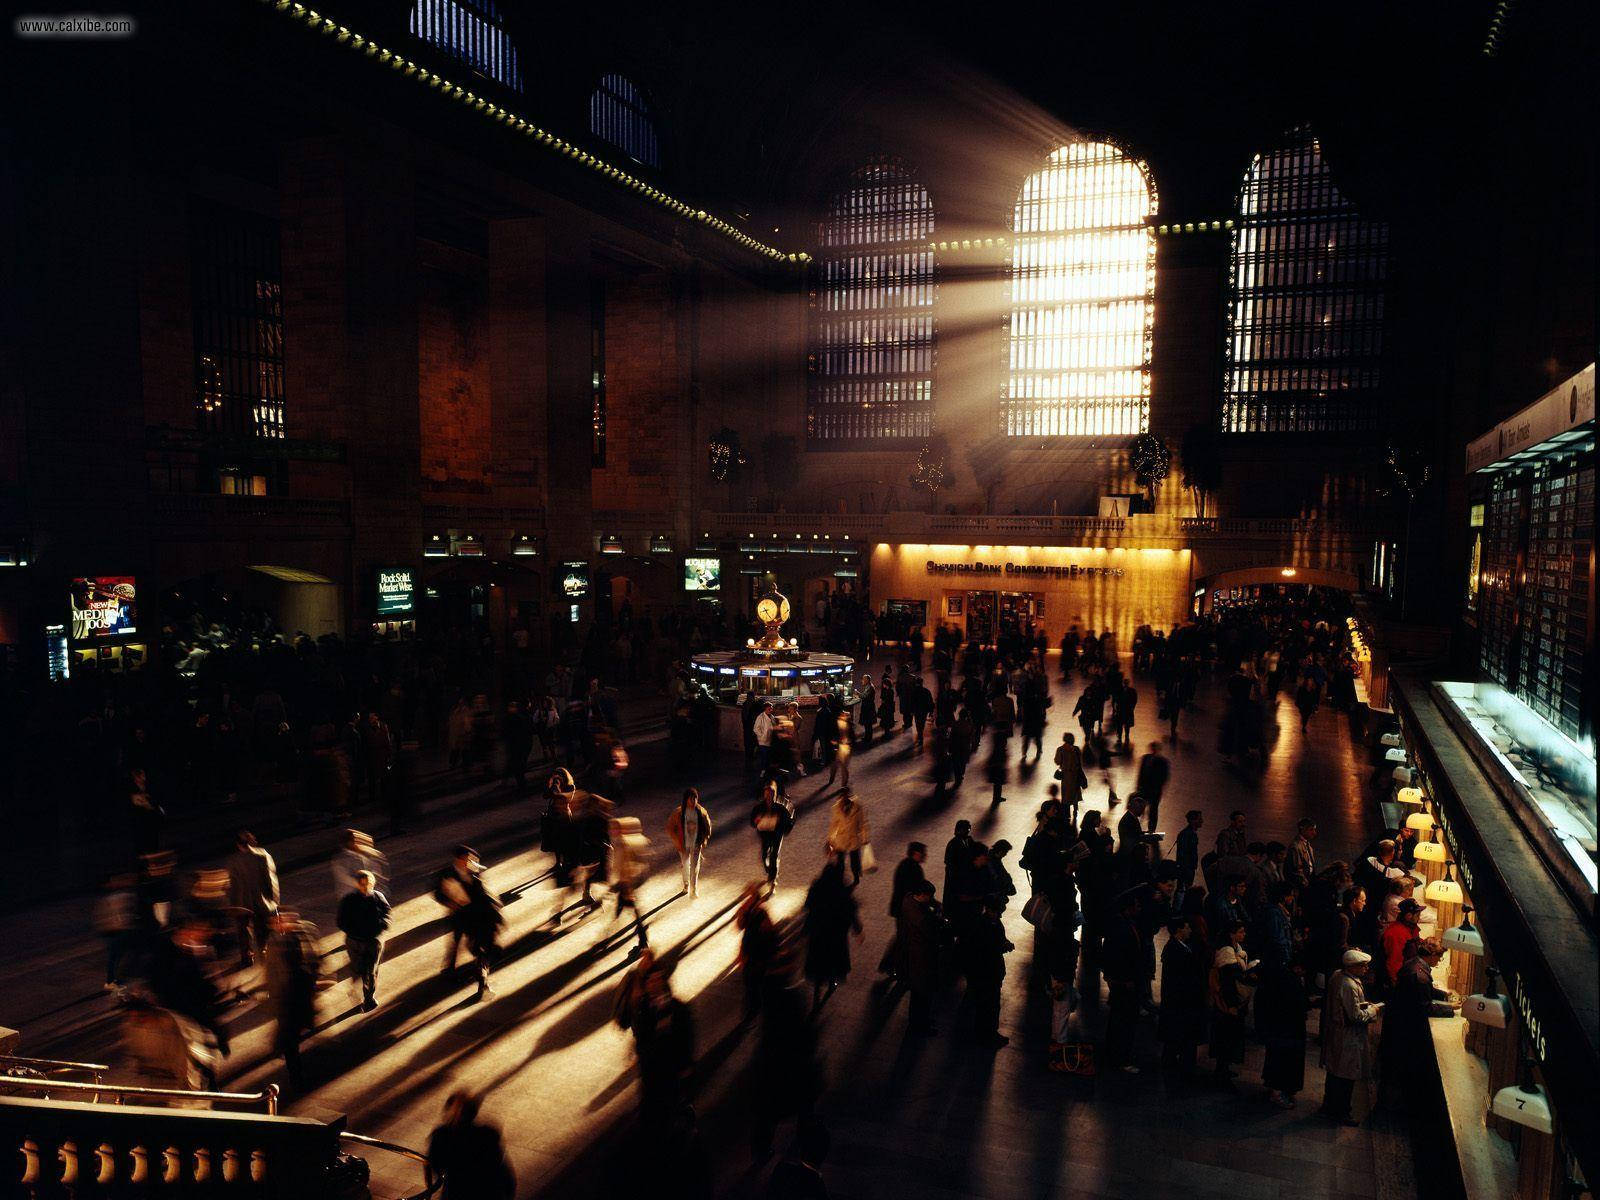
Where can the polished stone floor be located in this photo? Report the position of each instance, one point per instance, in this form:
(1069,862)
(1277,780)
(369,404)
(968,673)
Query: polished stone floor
(909,1117)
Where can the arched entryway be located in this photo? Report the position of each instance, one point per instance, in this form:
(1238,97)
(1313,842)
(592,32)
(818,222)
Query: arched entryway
(1244,583)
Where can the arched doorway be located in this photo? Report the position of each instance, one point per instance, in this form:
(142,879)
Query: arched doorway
(1247,583)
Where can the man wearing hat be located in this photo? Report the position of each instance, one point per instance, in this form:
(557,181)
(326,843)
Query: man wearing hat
(1347,1018)
(1400,933)
(1122,964)
(1405,1048)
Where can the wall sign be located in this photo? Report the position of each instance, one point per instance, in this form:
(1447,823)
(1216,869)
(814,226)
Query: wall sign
(103,606)
(574,578)
(397,591)
(1053,571)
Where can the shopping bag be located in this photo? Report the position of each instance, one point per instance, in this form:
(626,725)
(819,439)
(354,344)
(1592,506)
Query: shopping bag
(869,860)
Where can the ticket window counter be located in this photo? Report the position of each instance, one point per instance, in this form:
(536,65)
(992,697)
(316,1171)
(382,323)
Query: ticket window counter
(980,608)
(129,656)
(1017,609)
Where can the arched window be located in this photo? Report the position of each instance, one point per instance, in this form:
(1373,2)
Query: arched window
(1305,319)
(1082,295)
(619,113)
(872,357)
(472,31)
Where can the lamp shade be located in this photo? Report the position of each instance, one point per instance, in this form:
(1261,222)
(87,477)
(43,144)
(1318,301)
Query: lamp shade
(1421,820)
(1396,754)
(1444,891)
(1409,795)
(1430,852)
(1524,1104)
(1402,775)
(1464,938)
(1391,739)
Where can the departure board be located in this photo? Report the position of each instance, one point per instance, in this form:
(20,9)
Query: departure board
(1536,619)
(1502,548)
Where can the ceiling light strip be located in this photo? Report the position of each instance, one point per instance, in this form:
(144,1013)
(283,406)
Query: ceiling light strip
(318,23)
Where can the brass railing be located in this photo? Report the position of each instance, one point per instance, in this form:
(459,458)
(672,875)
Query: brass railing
(415,1156)
(267,1096)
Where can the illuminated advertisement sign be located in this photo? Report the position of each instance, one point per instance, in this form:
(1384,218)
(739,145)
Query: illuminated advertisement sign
(702,574)
(397,590)
(574,578)
(103,606)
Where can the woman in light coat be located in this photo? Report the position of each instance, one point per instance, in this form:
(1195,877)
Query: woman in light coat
(689,827)
(1347,1019)
(848,833)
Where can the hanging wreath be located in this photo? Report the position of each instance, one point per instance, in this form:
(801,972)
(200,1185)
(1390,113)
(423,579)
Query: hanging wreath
(1151,460)
(930,474)
(726,454)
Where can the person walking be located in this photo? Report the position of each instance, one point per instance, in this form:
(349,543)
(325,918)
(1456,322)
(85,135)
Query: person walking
(1002,721)
(1154,771)
(963,738)
(1186,850)
(474,914)
(772,820)
(831,916)
(689,827)
(920,704)
(1303,855)
(869,709)
(363,918)
(1347,1018)
(843,745)
(1069,770)
(468,1155)
(253,888)
(886,702)
(291,967)
(848,832)
(762,728)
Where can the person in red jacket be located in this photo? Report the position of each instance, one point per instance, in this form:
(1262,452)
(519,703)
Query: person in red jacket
(1396,937)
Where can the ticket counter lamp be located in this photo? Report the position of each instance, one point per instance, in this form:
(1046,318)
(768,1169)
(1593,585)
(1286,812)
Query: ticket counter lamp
(1421,820)
(1408,795)
(1488,1007)
(1391,740)
(1524,1103)
(1430,851)
(1395,754)
(1406,779)
(1446,890)
(1466,938)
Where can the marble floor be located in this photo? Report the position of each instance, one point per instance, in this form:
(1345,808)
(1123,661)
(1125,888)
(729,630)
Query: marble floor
(908,1116)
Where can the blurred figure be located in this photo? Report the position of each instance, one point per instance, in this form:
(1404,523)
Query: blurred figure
(831,916)
(758,946)
(253,877)
(363,919)
(663,1038)
(356,854)
(628,867)
(474,913)
(164,1049)
(800,1177)
(469,1154)
(116,919)
(772,820)
(292,970)
(848,832)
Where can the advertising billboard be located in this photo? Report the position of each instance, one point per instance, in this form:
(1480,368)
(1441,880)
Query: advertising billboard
(702,574)
(397,591)
(103,606)
(574,577)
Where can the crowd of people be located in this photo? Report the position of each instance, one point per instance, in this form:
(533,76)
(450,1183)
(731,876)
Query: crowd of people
(1219,934)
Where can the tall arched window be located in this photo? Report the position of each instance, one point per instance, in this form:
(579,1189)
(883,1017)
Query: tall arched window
(872,358)
(1305,321)
(619,113)
(1082,295)
(472,31)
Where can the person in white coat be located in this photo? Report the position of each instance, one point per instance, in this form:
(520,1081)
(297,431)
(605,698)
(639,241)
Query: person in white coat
(1347,1019)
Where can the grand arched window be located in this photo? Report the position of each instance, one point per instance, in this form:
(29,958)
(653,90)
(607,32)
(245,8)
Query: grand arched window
(472,31)
(872,357)
(619,113)
(1082,297)
(1305,319)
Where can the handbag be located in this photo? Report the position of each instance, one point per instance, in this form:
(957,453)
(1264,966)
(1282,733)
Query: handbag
(1073,1058)
(1038,912)
(869,860)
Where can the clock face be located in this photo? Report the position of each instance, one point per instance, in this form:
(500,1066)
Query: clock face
(767,609)
(783,608)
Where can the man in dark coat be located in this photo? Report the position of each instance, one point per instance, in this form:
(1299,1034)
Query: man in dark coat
(917,939)
(1405,1049)
(908,875)
(474,913)
(985,946)
(363,918)
(1154,771)
(1122,963)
